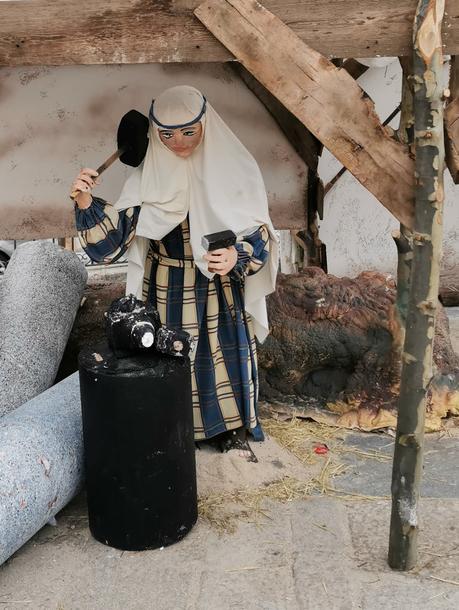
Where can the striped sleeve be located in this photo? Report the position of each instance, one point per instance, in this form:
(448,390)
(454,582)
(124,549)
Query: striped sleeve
(252,253)
(104,233)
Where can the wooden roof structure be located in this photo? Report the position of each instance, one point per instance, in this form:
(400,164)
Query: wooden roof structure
(45,32)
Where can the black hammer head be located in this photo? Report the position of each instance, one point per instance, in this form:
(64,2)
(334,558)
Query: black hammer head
(222,239)
(132,136)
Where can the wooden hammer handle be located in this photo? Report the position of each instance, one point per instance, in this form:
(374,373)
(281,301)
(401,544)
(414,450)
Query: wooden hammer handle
(104,166)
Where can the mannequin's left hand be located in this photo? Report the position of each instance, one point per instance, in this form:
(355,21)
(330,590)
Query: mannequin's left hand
(221,261)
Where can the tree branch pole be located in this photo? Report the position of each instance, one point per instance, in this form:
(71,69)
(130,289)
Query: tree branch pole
(423,297)
(404,237)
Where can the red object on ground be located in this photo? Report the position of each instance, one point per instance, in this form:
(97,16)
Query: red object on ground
(321,449)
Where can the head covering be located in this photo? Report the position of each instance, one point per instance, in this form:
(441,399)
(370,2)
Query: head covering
(219,185)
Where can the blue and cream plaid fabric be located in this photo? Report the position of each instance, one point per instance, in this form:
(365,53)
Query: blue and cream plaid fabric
(105,233)
(224,364)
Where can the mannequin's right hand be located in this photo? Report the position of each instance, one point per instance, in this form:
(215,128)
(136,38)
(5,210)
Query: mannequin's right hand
(83,183)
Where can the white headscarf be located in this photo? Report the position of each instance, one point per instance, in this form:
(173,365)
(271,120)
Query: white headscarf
(219,185)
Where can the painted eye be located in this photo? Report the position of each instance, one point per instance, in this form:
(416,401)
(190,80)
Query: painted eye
(167,135)
(189,133)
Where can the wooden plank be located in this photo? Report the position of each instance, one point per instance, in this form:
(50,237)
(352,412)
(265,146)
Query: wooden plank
(46,32)
(306,145)
(325,98)
(452,123)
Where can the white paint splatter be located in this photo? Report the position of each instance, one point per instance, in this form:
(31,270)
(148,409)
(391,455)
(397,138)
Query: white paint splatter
(407,512)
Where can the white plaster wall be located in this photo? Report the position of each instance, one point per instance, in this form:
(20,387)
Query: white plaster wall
(356,227)
(55,120)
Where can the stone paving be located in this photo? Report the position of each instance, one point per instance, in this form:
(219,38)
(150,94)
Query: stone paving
(318,553)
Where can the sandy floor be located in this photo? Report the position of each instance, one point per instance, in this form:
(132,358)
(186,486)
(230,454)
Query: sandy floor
(222,472)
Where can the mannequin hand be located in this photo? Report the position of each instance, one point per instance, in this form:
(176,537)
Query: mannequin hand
(221,261)
(83,184)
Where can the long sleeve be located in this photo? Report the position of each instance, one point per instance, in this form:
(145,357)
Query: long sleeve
(104,233)
(252,253)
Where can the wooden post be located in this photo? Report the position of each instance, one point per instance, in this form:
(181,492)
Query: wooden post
(66,242)
(423,297)
(404,237)
(308,239)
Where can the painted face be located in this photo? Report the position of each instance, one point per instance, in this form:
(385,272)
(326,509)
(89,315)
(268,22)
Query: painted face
(183,141)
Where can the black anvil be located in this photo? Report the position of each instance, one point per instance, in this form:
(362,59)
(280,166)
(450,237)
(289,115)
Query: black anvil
(133,326)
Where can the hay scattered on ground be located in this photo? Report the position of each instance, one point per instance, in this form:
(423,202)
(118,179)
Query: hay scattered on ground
(223,511)
(300,436)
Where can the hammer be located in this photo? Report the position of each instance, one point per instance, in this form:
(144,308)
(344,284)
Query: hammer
(221,239)
(132,141)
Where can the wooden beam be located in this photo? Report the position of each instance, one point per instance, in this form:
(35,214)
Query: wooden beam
(326,99)
(337,176)
(306,145)
(452,122)
(46,32)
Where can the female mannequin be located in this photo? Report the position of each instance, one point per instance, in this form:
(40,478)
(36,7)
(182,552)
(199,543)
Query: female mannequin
(197,178)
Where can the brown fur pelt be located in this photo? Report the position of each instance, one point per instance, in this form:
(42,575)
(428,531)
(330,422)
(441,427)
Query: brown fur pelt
(336,343)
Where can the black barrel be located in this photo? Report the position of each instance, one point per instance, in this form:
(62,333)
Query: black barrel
(139,448)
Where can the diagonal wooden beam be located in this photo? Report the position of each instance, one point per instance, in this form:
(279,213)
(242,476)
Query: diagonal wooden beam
(343,170)
(326,99)
(309,149)
(306,145)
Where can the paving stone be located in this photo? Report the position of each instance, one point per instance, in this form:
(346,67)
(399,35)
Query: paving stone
(373,477)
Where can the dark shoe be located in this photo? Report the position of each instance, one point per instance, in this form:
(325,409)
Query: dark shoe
(236,439)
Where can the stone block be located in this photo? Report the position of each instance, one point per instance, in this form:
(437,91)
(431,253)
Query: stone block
(41,462)
(41,293)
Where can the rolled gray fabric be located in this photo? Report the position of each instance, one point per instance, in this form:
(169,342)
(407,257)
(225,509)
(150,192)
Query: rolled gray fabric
(41,462)
(40,295)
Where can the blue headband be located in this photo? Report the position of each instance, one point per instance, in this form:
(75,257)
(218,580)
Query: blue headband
(198,118)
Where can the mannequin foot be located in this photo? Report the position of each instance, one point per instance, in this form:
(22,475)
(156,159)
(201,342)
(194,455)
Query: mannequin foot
(237,440)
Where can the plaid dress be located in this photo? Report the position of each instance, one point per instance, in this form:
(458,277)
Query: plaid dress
(224,363)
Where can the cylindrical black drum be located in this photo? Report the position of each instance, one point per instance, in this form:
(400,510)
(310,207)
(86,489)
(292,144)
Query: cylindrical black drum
(139,448)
